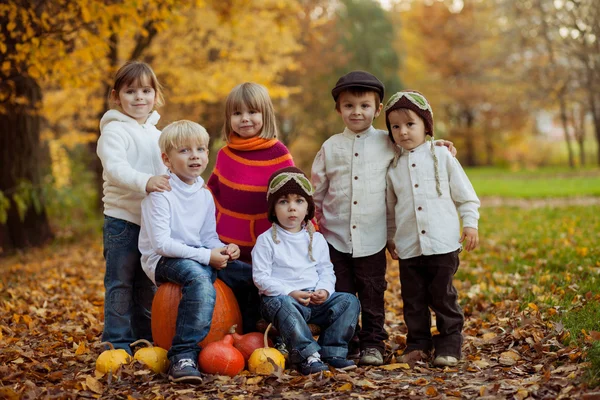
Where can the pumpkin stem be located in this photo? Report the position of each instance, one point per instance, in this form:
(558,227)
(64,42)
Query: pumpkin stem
(109,344)
(232,329)
(147,343)
(266,338)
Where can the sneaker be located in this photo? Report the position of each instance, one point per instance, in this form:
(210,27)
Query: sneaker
(371,356)
(282,349)
(306,368)
(340,363)
(186,371)
(445,361)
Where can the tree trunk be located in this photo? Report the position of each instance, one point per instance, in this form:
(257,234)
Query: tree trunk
(563,119)
(22,161)
(470,157)
(596,118)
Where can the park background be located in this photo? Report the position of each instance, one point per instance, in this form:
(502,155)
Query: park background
(515,84)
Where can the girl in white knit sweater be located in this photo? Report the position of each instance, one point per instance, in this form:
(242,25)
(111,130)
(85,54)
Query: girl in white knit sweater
(132,167)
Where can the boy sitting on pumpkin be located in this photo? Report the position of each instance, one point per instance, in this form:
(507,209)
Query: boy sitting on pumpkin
(179,244)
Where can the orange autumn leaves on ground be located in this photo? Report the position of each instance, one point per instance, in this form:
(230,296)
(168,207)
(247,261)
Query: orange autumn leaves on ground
(51,313)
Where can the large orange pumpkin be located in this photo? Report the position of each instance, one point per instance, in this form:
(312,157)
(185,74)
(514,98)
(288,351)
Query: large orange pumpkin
(164,314)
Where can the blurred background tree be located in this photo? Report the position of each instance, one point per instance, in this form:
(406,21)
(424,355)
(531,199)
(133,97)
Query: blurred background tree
(513,83)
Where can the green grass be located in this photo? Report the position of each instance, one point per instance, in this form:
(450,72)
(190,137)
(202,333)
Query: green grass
(548,256)
(535,183)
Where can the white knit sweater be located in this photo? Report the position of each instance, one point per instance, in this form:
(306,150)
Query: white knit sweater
(130,156)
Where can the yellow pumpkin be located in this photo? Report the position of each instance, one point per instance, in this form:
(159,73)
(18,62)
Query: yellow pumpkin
(153,357)
(111,360)
(260,360)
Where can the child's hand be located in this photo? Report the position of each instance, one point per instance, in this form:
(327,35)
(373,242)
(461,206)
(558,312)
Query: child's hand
(218,258)
(233,251)
(471,238)
(301,297)
(319,297)
(448,144)
(391,247)
(158,183)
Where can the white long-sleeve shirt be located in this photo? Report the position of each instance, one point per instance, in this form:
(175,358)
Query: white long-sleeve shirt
(178,224)
(130,156)
(348,174)
(419,221)
(280,268)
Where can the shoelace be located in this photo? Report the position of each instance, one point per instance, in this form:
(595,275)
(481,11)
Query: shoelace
(185,363)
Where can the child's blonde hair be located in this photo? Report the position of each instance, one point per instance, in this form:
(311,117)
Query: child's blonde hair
(255,97)
(136,73)
(180,133)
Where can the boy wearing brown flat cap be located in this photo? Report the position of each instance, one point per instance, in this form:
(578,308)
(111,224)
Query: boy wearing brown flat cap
(349,176)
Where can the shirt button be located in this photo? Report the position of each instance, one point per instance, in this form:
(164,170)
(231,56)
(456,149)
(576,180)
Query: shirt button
(353,226)
(414,165)
(356,202)
(355,154)
(419,208)
(356,177)
(412,151)
(423,232)
(416,185)
(358,136)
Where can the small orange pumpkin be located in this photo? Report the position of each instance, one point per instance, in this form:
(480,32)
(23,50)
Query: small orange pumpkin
(221,358)
(247,343)
(164,314)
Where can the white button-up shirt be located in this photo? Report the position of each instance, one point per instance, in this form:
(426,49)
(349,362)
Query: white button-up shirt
(419,221)
(348,174)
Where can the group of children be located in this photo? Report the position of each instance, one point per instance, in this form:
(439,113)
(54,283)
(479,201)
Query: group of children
(252,226)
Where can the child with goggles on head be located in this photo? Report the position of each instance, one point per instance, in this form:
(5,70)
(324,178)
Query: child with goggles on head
(293,273)
(427,192)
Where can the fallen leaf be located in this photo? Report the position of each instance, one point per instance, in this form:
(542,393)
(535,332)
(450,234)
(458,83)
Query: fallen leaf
(345,387)
(391,367)
(94,385)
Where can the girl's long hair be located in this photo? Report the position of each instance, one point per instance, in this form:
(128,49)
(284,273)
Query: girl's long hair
(255,97)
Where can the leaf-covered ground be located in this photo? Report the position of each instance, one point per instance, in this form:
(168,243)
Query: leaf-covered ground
(515,348)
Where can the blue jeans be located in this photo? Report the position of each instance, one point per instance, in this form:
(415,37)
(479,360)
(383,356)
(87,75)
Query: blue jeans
(337,318)
(198,297)
(128,290)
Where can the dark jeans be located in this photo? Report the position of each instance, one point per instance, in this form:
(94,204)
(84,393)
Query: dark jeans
(427,282)
(238,276)
(337,318)
(198,298)
(128,290)
(364,276)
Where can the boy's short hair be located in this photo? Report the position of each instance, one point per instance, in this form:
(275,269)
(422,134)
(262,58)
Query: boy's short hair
(359,92)
(179,133)
(358,83)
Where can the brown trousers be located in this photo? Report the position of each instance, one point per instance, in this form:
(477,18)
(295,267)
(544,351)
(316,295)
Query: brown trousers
(364,276)
(427,283)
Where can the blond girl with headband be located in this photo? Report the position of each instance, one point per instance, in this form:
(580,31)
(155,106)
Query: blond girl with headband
(132,168)
(427,192)
(293,273)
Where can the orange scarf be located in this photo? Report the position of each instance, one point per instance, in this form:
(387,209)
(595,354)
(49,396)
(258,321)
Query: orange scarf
(254,143)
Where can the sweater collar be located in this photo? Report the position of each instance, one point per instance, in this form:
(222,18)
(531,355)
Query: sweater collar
(116,115)
(181,186)
(237,142)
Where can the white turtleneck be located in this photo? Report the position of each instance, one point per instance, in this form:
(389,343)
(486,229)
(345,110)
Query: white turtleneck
(178,224)
(280,268)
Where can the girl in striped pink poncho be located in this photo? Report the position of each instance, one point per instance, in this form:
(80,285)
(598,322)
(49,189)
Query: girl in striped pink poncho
(243,167)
